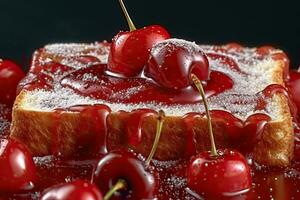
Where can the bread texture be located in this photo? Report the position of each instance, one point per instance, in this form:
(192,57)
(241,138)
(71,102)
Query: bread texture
(33,110)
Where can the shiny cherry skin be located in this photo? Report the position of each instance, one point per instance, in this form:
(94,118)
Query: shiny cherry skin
(121,164)
(10,76)
(130,50)
(76,190)
(294,88)
(224,175)
(172,62)
(18,171)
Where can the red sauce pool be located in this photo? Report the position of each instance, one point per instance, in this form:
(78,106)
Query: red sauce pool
(268,183)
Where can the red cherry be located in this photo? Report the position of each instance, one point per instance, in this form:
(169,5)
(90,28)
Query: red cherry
(18,170)
(77,190)
(141,183)
(294,88)
(173,61)
(130,50)
(227,174)
(216,174)
(10,76)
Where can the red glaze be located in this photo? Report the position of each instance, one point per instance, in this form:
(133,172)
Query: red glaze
(134,125)
(252,131)
(56,138)
(42,76)
(293,85)
(141,182)
(97,115)
(137,90)
(189,120)
(52,68)
(225,175)
(283,58)
(77,190)
(264,50)
(171,64)
(233,125)
(225,60)
(87,144)
(130,50)
(242,135)
(10,76)
(269,92)
(18,171)
(234,46)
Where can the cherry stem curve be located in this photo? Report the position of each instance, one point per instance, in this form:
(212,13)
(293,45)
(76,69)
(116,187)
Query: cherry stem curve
(199,86)
(129,21)
(121,184)
(159,126)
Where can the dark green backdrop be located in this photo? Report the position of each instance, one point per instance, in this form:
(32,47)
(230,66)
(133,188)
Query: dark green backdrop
(28,24)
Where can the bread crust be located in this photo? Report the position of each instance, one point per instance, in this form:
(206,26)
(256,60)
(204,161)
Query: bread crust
(35,129)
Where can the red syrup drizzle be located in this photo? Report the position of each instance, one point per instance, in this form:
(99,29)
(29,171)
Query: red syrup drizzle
(241,134)
(55,132)
(189,121)
(134,123)
(42,76)
(97,116)
(93,119)
(138,90)
(225,60)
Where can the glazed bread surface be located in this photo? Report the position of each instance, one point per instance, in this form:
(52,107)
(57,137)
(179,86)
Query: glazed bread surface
(33,110)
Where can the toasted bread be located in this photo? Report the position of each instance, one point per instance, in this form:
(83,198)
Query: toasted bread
(33,112)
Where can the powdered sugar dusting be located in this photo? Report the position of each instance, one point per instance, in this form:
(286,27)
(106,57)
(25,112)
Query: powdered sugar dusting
(255,75)
(68,51)
(192,47)
(64,97)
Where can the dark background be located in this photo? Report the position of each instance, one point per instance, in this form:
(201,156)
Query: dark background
(29,24)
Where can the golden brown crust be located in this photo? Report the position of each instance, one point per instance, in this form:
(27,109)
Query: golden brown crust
(277,144)
(36,130)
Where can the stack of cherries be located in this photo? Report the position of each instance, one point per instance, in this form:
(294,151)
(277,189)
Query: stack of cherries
(171,64)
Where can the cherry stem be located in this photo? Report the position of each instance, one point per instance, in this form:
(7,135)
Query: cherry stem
(129,21)
(199,86)
(121,184)
(159,126)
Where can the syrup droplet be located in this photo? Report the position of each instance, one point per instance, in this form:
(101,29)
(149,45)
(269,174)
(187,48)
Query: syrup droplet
(134,125)
(56,138)
(96,117)
(189,121)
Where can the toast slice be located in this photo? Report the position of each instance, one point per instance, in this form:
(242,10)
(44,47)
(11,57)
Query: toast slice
(43,120)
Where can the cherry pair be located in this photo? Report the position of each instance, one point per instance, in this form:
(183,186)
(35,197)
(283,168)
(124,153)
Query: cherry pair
(168,63)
